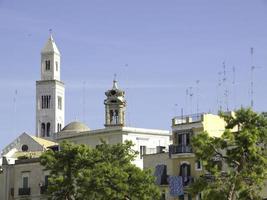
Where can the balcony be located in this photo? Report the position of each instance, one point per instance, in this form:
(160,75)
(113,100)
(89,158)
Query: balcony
(43,189)
(178,149)
(24,191)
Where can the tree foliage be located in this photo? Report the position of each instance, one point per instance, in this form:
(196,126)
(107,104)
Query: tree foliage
(237,161)
(78,172)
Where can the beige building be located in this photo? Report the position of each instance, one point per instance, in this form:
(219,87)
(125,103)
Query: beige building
(22,176)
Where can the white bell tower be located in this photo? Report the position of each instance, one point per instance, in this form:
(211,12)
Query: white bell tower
(115,106)
(50,93)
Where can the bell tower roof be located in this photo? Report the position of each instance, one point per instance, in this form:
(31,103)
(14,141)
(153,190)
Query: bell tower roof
(50,46)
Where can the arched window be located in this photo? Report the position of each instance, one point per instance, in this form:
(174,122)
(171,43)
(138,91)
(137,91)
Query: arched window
(116,116)
(111,116)
(48,129)
(47,65)
(58,127)
(185,172)
(43,129)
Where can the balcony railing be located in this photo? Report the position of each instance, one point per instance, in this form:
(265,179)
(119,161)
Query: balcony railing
(177,149)
(43,189)
(24,191)
(184,119)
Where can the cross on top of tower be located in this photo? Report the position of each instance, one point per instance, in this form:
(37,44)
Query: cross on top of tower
(115,82)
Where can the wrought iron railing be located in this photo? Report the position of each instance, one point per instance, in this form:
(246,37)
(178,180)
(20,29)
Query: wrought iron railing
(24,191)
(177,149)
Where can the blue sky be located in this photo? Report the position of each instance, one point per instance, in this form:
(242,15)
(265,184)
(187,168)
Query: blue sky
(158,48)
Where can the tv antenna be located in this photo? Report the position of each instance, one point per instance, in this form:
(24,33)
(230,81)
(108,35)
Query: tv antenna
(226,91)
(191,94)
(197,94)
(83,101)
(234,86)
(219,101)
(252,71)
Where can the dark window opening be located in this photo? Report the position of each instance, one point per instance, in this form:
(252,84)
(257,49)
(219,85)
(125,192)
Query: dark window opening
(47,65)
(25,182)
(48,129)
(43,129)
(46,101)
(142,151)
(24,148)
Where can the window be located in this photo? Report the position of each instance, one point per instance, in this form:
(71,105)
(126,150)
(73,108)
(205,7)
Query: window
(46,101)
(185,170)
(198,197)
(111,114)
(163,196)
(24,148)
(56,66)
(198,165)
(184,139)
(43,129)
(58,127)
(59,103)
(189,197)
(142,151)
(47,65)
(48,129)
(116,116)
(25,180)
(181,197)
(46,180)
(185,173)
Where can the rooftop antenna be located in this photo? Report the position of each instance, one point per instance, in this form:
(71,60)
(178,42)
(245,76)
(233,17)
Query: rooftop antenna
(186,100)
(252,68)
(219,102)
(83,101)
(128,110)
(15,109)
(191,99)
(234,89)
(226,92)
(197,94)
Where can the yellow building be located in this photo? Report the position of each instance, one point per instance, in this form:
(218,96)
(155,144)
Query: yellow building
(180,160)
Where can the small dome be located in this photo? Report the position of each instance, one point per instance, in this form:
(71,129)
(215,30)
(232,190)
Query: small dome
(75,127)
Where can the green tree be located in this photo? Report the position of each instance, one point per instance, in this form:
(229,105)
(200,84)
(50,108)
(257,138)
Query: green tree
(240,152)
(78,172)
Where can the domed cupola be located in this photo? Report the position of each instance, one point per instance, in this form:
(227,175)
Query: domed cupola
(115,105)
(75,127)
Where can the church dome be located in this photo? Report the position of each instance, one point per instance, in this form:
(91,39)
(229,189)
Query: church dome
(75,127)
